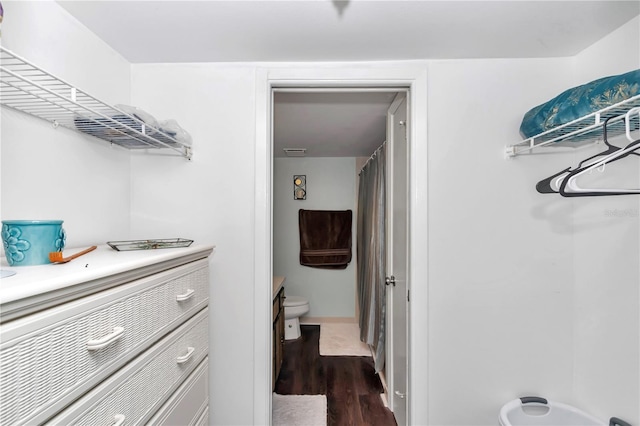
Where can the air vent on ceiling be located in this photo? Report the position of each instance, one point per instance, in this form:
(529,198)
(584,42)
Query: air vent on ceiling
(295,152)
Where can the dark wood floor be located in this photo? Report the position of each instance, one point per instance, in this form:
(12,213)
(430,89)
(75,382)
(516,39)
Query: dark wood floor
(349,382)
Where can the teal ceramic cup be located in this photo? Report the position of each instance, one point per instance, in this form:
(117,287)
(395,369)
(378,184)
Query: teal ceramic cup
(29,242)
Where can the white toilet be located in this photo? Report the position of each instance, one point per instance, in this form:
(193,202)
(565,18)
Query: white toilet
(294,308)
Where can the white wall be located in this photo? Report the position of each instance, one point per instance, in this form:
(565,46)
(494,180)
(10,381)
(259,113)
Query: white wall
(616,53)
(209,199)
(529,293)
(499,256)
(501,261)
(331,185)
(58,173)
(607,262)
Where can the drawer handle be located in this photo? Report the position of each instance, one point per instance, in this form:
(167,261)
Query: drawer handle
(119,418)
(96,344)
(185,296)
(184,358)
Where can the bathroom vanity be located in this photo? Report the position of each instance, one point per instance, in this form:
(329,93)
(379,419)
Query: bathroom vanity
(278,327)
(108,338)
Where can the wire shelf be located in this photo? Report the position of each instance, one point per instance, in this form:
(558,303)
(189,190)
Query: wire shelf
(27,88)
(587,129)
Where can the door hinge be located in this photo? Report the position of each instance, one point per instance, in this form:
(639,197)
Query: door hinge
(404,125)
(408,298)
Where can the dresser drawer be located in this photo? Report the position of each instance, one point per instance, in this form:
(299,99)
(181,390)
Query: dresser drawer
(137,391)
(189,402)
(278,303)
(204,418)
(50,358)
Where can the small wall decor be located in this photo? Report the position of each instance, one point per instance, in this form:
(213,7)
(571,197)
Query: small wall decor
(299,187)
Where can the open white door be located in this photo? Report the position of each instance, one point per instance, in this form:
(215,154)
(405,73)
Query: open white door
(397,250)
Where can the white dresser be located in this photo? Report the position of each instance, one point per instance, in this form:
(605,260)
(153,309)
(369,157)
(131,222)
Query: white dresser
(111,338)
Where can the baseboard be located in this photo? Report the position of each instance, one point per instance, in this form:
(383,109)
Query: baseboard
(326,320)
(383,380)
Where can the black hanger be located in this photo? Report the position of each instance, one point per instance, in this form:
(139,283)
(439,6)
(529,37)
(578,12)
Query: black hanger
(624,152)
(544,186)
(614,421)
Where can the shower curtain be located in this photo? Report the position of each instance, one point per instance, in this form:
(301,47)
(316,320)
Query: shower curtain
(371,254)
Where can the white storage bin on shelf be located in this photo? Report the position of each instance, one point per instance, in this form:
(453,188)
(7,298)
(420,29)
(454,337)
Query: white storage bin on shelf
(28,88)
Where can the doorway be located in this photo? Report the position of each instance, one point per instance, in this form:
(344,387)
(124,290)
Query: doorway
(415,80)
(324,136)
(334,138)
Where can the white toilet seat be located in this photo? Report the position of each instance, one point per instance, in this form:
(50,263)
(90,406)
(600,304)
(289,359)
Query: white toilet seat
(295,301)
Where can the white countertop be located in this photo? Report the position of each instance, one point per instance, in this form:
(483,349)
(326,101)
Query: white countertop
(277,285)
(102,262)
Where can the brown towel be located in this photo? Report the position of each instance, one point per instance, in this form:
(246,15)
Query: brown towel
(325,238)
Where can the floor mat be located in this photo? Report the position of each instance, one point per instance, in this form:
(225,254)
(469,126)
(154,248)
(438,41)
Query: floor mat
(296,410)
(342,339)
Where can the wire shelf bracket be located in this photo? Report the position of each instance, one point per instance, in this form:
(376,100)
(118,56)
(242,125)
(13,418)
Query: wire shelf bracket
(28,88)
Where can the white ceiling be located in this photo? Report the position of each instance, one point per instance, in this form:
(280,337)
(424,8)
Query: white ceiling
(357,30)
(330,124)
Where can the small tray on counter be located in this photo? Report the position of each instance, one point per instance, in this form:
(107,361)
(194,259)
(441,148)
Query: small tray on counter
(149,244)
